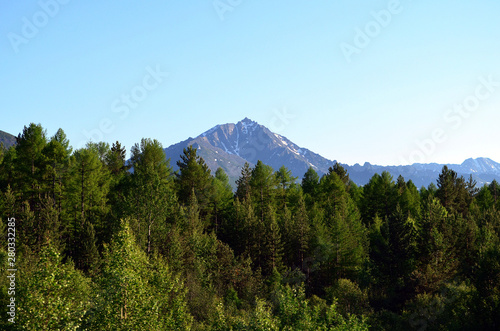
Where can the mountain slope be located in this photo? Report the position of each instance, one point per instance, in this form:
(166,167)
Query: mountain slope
(7,139)
(230,145)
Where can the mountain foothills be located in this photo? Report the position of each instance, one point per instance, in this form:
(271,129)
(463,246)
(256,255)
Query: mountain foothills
(229,146)
(97,242)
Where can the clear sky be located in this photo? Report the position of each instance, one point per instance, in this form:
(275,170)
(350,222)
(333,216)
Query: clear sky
(388,82)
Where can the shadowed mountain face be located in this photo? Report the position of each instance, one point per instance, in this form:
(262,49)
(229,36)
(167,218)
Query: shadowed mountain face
(7,139)
(230,145)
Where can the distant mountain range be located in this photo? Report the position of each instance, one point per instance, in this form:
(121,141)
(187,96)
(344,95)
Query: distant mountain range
(230,145)
(7,139)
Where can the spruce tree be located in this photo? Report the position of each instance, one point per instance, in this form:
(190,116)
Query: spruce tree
(263,184)
(243,183)
(194,174)
(310,183)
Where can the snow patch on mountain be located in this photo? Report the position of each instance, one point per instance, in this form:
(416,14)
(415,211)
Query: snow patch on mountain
(208,132)
(248,141)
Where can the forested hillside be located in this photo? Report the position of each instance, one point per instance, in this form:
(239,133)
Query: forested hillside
(103,244)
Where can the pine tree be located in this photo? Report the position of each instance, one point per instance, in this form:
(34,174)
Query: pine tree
(342,173)
(222,199)
(115,159)
(262,183)
(8,169)
(379,197)
(302,231)
(243,183)
(453,192)
(333,196)
(485,199)
(403,232)
(151,196)
(87,190)
(55,161)
(310,183)
(120,186)
(285,181)
(495,192)
(194,174)
(409,200)
(437,247)
(84,248)
(28,164)
(273,246)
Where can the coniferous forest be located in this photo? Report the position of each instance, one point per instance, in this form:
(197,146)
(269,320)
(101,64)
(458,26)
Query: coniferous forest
(106,243)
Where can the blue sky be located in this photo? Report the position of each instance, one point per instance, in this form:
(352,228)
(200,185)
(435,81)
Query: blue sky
(388,82)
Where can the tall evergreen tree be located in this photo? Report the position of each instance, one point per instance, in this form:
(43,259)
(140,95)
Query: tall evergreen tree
(342,173)
(285,181)
(120,186)
(243,183)
(273,246)
(151,197)
(86,197)
(453,192)
(56,155)
(263,184)
(310,182)
(379,198)
(222,199)
(437,247)
(30,144)
(194,174)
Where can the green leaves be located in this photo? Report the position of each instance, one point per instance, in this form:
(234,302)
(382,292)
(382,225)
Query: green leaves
(133,293)
(276,255)
(53,296)
(151,195)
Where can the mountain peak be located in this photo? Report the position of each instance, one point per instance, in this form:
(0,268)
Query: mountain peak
(230,145)
(247,121)
(480,165)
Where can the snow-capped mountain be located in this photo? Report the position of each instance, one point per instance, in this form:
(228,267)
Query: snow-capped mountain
(230,145)
(480,166)
(252,142)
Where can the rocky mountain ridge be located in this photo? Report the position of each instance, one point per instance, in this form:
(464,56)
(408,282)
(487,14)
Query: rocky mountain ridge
(230,145)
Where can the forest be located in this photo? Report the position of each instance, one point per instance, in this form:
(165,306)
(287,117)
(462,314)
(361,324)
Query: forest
(106,243)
